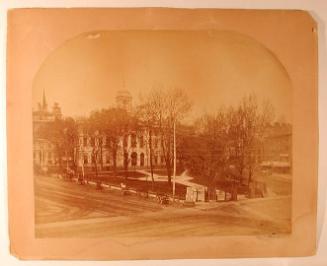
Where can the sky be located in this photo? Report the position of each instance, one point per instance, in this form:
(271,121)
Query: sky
(215,68)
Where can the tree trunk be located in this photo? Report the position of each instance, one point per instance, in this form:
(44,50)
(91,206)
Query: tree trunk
(151,165)
(97,180)
(250,176)
(74,159)
(60,159)
(101,156)
(251,189)
(167,159)
(126,161)
(114,160)
(234,192)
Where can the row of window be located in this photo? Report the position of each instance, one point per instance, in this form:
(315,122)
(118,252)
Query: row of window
(95,141)
(133,160)
(86,159)
(42,155)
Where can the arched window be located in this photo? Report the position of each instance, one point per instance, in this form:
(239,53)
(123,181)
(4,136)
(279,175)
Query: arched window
(142,159)
(126,160)
(134,158)
(156,142)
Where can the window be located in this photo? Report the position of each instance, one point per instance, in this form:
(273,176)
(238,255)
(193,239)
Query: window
(134,158)
(156,159)
(107,158)
(141,140)
(126,160)
(133,140)
(162,159)
(104,141)
(85,141)
(125,141)
(142,159)
(85,159)
(156,142)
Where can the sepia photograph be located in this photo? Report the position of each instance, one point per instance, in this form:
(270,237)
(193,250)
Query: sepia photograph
(162,134)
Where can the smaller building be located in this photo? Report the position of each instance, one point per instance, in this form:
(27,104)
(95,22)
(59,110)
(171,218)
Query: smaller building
(45,156)
(277,148)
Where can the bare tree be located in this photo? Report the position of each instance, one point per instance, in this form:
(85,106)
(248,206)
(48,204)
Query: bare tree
(247,125)
(169,108)
(228,145)
(148,115)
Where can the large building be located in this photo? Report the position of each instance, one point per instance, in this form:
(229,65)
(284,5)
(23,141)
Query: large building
(132,150)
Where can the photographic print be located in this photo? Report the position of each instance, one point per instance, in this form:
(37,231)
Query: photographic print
(163,134)
(167,139)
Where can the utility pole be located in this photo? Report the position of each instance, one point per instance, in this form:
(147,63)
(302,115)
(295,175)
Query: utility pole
(174,174)
(66,153)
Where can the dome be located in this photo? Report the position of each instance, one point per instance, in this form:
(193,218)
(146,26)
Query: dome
(123,93)
(124,99)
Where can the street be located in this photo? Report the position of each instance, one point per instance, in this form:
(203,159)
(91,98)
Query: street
(66,209)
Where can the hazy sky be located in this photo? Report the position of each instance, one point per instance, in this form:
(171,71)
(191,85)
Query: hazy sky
(215,68)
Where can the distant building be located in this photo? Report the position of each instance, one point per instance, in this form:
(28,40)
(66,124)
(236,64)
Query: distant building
(277,147)
(133,146)
(43,115)
(45,155)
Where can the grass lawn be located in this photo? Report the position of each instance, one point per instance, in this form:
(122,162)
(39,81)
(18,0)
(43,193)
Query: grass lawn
(163,171)
(161,187)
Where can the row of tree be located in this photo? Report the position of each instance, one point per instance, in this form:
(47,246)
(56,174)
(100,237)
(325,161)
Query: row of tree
(226,147)
(219,148)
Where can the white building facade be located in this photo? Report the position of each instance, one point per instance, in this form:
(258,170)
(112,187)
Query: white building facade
(132,149)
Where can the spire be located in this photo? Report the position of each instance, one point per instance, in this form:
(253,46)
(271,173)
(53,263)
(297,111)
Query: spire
(44,101)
